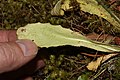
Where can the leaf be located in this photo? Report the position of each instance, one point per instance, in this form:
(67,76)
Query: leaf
(95,64)
(90,6)
(47,35)
(93,7)
(60,7)
(57,9)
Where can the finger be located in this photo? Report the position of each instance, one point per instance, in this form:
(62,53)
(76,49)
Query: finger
(8,35)
(15,54)
(28,78)
(40,64)
(25,71)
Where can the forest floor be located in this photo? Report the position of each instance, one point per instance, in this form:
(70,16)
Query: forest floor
(65,62)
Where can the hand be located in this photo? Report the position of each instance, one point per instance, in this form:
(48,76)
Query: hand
(15,53)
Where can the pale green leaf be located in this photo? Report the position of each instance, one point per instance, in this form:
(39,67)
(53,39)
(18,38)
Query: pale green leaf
(92,7)
(47,35)
(60,7)
(57,9)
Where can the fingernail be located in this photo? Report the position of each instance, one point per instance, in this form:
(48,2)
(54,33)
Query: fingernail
(28,47)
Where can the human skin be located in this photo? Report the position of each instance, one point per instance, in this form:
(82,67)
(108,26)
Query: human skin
(15,53)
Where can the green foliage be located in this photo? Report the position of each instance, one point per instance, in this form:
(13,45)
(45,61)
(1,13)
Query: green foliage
(93,7)
(53,67)
(116,72)
(17,13)
(47,35)
(84,76)
(68,69)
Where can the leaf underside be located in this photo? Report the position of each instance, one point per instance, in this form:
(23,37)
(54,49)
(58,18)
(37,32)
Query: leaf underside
(47,35)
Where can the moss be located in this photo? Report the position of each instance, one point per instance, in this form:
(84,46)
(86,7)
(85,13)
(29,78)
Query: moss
(116,72)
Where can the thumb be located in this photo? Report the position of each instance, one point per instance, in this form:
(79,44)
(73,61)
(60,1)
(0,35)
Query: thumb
(15,54)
